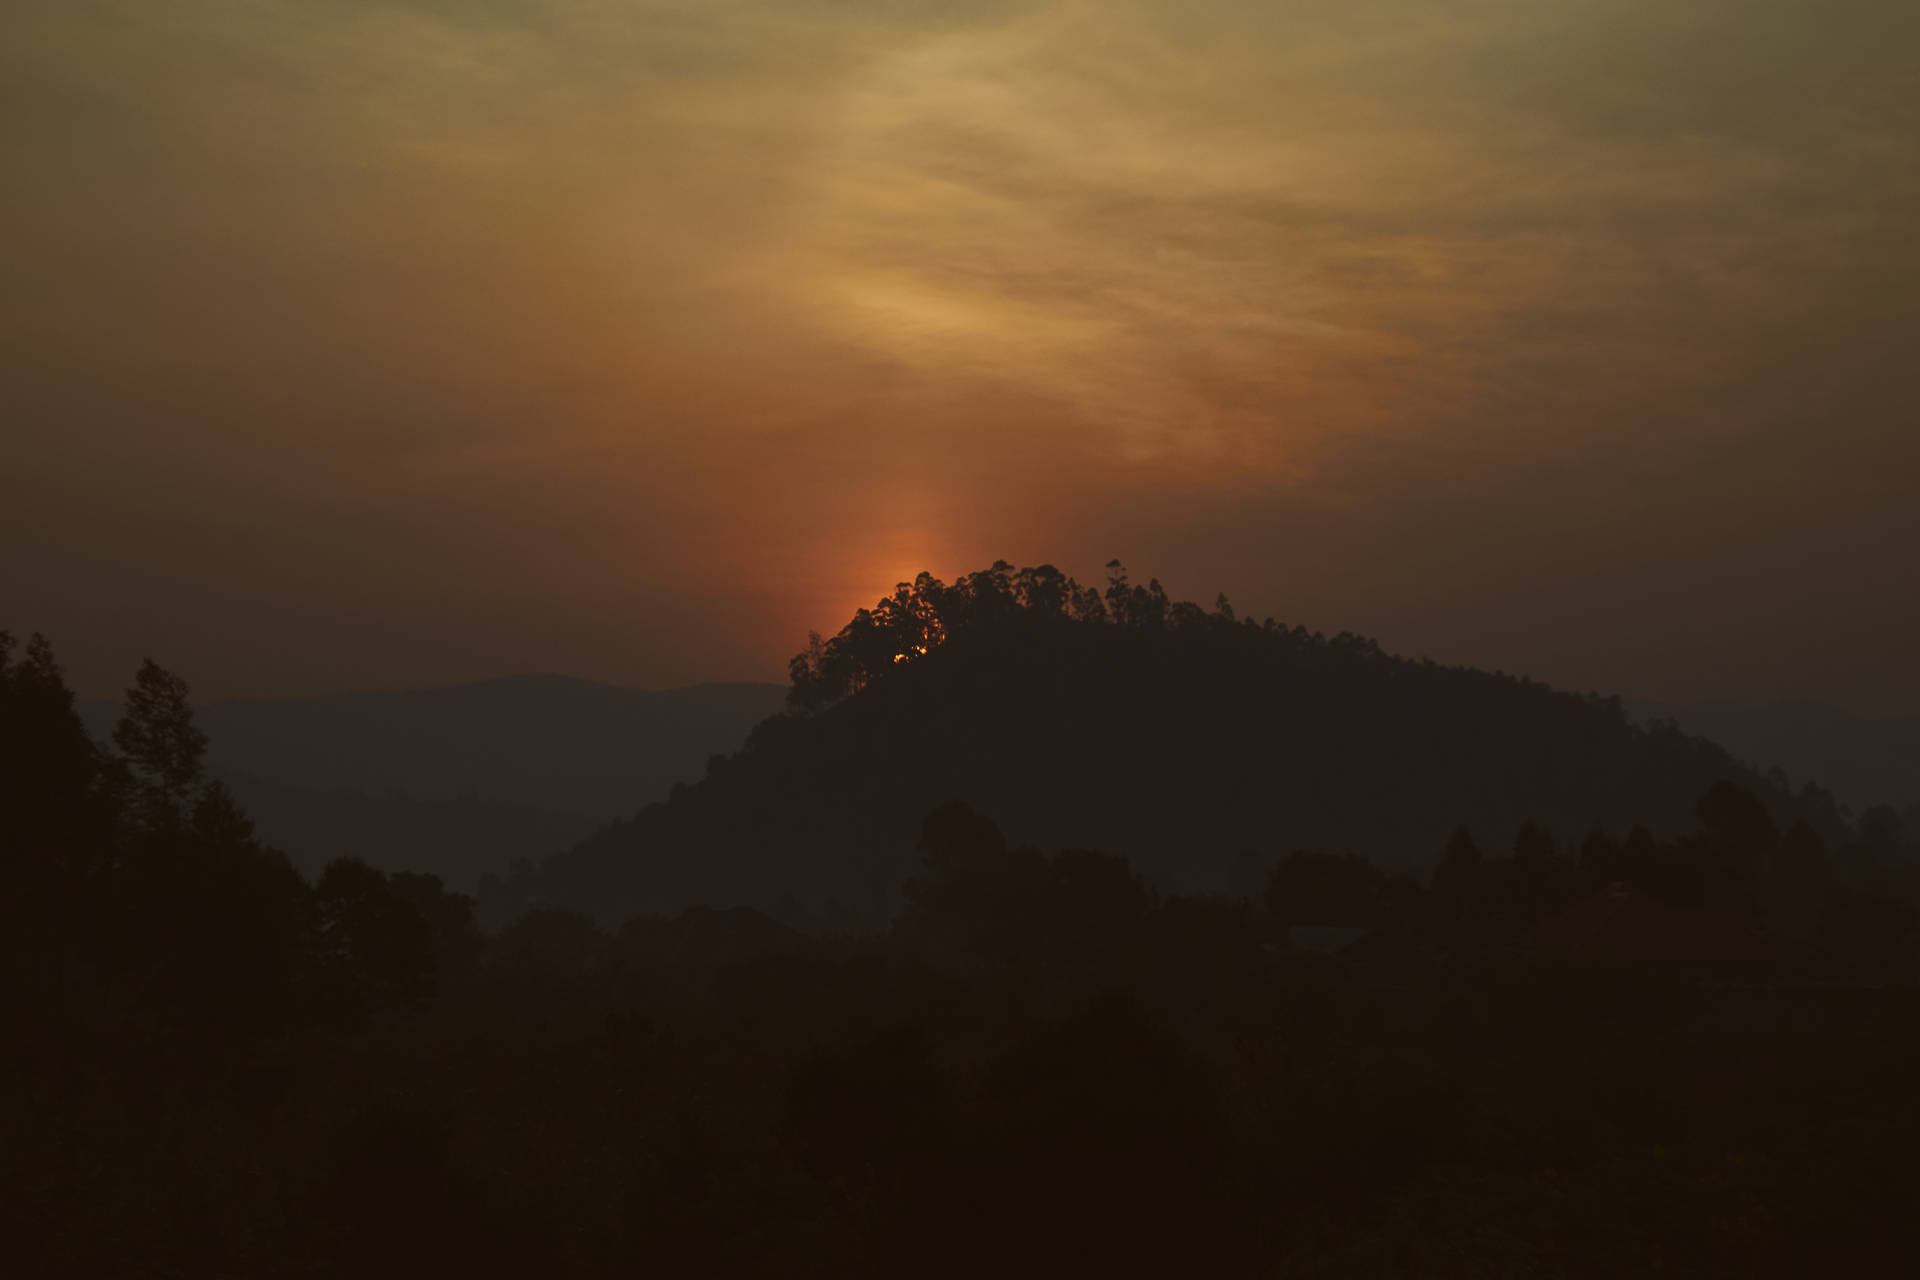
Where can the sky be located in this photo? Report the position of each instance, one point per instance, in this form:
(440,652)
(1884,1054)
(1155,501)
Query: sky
(373,345)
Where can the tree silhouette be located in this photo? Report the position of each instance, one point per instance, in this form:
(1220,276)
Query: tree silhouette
(163,748)
(51,774)
(375,945)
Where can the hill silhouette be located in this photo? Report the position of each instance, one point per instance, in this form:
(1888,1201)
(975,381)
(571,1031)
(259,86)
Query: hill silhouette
(458,780)
(1201,746)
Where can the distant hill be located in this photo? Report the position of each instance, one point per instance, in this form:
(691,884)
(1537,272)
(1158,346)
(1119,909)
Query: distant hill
(1866,760)
(1200,746)
(461,779)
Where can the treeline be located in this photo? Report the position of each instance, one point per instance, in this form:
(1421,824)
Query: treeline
(922,615)
(141,903)
(1691,1054)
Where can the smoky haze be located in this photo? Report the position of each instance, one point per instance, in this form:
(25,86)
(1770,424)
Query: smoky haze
(377,346)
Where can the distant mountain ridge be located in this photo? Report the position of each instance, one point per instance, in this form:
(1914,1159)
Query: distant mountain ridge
(459,780)
(1865,760)
(1200,746)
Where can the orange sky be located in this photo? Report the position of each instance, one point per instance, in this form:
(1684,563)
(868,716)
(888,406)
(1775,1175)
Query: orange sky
(369,344)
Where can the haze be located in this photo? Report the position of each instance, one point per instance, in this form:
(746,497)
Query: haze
(374,344)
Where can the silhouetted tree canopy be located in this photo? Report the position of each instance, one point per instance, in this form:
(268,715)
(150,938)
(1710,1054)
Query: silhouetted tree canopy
(922,615)
(147,895)
(163,750)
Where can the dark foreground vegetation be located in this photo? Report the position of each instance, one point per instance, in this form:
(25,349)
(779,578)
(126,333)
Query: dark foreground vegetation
(1684,1055)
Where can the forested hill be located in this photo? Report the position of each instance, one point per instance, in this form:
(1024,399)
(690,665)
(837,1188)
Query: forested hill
(1201,746)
